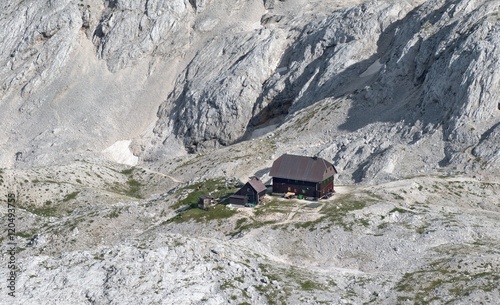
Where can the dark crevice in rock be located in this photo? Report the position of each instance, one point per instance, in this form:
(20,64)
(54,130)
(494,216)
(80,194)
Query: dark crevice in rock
(193,4)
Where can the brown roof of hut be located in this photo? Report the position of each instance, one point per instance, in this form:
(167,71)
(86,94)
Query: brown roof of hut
(257,185)
(312,169)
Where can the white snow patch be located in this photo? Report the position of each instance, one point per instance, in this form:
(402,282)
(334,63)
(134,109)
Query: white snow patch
(389,167)
(262,131)
(372,69)
(120,152)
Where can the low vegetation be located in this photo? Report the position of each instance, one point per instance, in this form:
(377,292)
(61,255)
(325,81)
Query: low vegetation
(215,187)
(115,213)
(193,213)
(128,171)
(460,271)
(297,279)
(71,196)
(253,224)
(268,214)
(335,213)
(134,188)
(45,211)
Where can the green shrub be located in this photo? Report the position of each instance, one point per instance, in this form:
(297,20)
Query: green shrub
(71,196)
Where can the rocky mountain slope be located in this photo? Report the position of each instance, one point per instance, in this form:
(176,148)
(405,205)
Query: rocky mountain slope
(117,114)
(179,77)
(419,240)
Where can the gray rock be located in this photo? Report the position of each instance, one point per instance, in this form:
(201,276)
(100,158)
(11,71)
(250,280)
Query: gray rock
(269,4)
(212,109)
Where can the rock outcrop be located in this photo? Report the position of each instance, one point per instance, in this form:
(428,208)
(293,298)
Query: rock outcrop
(210,108)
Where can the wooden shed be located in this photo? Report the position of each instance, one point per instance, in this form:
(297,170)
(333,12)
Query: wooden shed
(304,176)
(249,194)
(206,201)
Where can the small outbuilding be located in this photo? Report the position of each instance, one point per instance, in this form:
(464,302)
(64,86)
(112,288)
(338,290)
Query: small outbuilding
(206,201)
(238,200)
(250,194)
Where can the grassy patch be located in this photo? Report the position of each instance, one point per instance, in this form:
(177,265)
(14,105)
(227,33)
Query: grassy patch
(273,295)
(399,210)
(274,206)
(115,213)
(310,285)
(43,211)
(448,274)
(99,256)
(254,224)
(25,234)
(241,221)
(364,222)
(191,162)
(128,171)
(74,223)
(261,213)
(220,211)
(383,225)
(294,279)
(227,284)
(397,196)
(311,225)
(303,121)
(71,196)
(215,187)
(134,188)
(423,228)
(337,212)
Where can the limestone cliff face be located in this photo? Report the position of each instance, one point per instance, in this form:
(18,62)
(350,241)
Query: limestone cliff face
(431,82)
(186,76)
(130,30)
(444,55)
(214,96)
(36,42)
(78,76)
(420,70)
